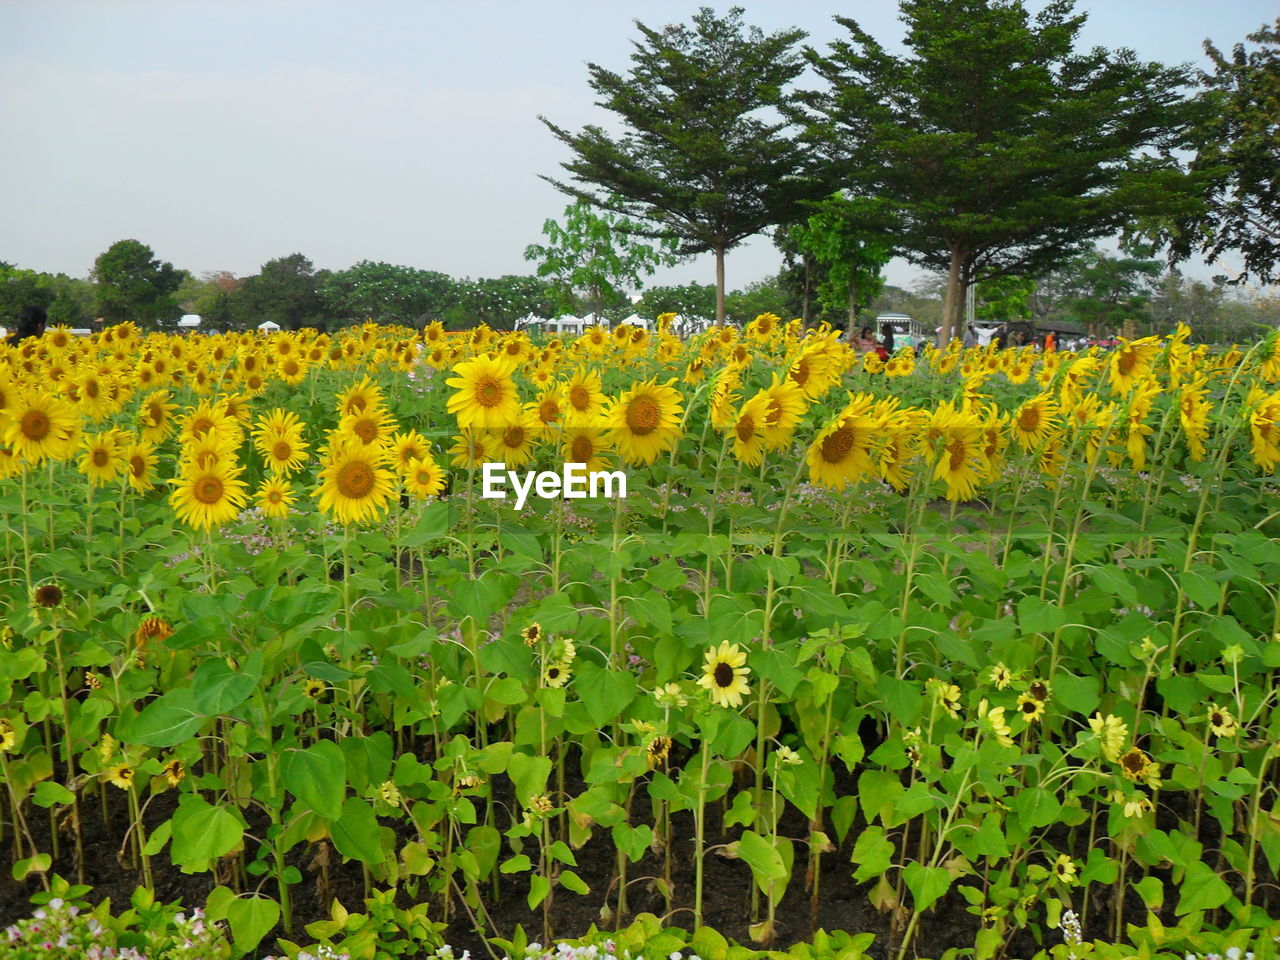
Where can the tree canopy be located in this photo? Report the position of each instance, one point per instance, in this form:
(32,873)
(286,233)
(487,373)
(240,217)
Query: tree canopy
(1002,149)
(704,156)
(132,284)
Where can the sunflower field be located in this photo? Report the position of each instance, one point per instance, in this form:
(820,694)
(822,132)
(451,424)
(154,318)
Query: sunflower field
(962,654)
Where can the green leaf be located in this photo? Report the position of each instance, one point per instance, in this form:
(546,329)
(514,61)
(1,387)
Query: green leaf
(926,884)
(605,692)
(317,776)
(217,687)
(40,863)
(763,858)
(203,832)
(571,881)
(1201,889)
(528,775)
(432,524)
(251,919)
(165,722)
(50,792)
(517,864)
(539,887)
(1078,694)
(873,853)
(355,834)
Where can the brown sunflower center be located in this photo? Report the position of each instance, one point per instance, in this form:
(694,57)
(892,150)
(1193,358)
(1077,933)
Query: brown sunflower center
(775,412)
(513,437)
(201,426)
(837,445)
(367,430)
(282,450)
(207,490)
(582,448)
(959,452)
(425,478)
(355,480)
(1127,360)
(1134,761)
(800,373)
(643,414)
(100,457)
(488,392)
(548,411)
(1029,419)
(49,595)
(34,425)
(722,675)
(91,389)
(746,428)
(580,397)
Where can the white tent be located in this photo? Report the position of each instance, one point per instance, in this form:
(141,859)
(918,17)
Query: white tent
(571,324)
(268,326)
(635,320)
(188,321)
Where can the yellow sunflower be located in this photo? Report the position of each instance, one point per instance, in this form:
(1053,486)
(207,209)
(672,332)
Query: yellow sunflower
(407,447)
(40,426)
(485,396)
(588,446)
(841,452)
(103,458)
(1035,421)
(275,497)
(278,438)
(356,484)
(645,421)
(584,399)
(424,478)
(749,430)
(208,495)
(724,675)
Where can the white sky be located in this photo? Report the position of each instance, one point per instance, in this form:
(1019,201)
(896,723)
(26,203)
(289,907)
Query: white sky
(224,134)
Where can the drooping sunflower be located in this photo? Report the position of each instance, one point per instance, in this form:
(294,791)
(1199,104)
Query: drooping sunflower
(275,497)
(645,421)
(1131,362)
(208,494)
(749,430)
(1111,733)
(724,675)
(485,396)
(355,482)
(424,478)
(40,427)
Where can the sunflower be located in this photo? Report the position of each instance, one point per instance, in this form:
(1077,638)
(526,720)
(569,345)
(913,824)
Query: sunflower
(1000,676)
(470,450)
(1111,733)
(556,675)
(749,430)
(961,464)
(485,396)
(8,736)
(173,772)
(358,396)
(140,465)
(1221,722)
(40,427)
(356,484)
(724,675)
(532,634)
(372,426)
(1064,868)
(277,436)
(406,447)
(549,408)
(841,452)
(1131,362)
(1029,708)
(588,446)
(993,718)
(1137,766)
(424,478)
(48,595)
(209,494)
(516,443)
(645,421)
(656,750)
(947,695)
(121,775)
(275,497)
(584,399)
(787,405)
(103,458)
(1035,421)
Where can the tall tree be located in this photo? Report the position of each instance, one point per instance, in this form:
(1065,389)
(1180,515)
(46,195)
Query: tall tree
(133,284)
(284,291)
(1003,149)
(1238,151)
(596,254)
(704,155)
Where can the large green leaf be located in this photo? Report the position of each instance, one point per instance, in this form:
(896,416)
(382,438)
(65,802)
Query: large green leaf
(355,834)
(165,722)
(217,687)
(317,776)
(926,884)
(251,919)
(203,832)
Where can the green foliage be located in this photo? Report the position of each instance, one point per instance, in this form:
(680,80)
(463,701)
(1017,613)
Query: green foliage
(385,293)
(596,255)
(848,236)
(132,284)
(1000,147)
(699,159)
(1236,142)
(284,292)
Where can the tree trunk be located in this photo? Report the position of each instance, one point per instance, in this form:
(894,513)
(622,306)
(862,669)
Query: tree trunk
(719,285)
(952,303)
(804,300)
